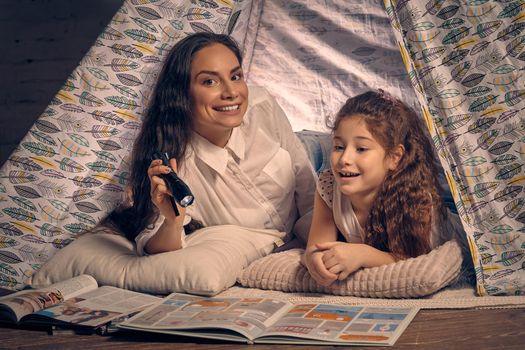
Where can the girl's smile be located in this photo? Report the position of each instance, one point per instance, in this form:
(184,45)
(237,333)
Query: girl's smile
(348,175)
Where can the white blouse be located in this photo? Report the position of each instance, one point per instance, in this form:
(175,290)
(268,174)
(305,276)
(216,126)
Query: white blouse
(262,178)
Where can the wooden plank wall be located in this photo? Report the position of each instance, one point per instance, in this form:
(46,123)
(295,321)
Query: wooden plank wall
(42,42)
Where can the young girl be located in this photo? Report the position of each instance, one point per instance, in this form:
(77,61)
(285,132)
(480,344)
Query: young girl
(381,193)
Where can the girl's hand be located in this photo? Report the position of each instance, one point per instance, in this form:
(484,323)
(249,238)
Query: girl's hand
(341,258)
(160,194)
(312,259)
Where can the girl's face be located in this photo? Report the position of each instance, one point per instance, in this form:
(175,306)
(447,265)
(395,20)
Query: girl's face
(218,92)
(359,162)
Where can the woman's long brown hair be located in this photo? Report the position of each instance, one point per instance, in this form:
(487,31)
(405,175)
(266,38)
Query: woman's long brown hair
(166,126)
(400,219)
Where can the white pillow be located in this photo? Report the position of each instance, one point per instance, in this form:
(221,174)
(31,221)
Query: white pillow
(211,262)
(413,277)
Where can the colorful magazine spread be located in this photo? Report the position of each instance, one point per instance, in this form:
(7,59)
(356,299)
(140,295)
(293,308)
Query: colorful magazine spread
(260,320)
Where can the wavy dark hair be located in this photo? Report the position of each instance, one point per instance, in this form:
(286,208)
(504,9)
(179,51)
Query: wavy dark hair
(167,126)
(400,218)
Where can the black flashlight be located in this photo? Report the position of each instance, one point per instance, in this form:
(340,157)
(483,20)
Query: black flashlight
(178,188)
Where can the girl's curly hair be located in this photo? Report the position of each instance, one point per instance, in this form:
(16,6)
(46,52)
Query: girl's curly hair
(400,218)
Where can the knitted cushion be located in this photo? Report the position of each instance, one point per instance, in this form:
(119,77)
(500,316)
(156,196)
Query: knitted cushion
(413,277)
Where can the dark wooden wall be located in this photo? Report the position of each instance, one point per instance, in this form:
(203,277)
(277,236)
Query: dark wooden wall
(42,42)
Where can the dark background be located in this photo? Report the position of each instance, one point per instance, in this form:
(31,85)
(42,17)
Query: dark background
(42,42)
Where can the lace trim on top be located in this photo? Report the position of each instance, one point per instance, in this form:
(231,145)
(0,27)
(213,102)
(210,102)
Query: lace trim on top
(325,186)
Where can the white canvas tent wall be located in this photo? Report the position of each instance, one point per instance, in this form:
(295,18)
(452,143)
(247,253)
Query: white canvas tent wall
(463,61)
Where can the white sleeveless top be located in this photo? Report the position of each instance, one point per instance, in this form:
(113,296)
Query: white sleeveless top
(346,220)
(342,210)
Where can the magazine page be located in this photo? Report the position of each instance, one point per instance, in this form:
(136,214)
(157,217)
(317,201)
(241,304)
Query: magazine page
(94,308)
(340,324)
(211,316)
(15,306)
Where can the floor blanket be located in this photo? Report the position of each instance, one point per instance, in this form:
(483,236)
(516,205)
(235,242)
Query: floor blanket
(454,297)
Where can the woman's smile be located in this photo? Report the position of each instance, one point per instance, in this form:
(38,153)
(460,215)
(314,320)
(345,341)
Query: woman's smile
(229,108)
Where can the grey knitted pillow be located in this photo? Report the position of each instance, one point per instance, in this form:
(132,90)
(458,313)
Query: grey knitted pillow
(413,277)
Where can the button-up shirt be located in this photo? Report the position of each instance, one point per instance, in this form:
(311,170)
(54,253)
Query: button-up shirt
(262,178)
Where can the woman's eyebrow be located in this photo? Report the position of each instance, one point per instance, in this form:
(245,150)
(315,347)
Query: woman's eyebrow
(211,72)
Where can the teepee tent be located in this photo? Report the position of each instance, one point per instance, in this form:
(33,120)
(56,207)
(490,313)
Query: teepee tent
(459,63)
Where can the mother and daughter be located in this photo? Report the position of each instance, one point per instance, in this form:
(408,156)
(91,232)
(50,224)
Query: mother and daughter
(235,148)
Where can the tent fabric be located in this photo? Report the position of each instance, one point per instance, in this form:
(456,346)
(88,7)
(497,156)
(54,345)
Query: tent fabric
(465,60)
(313,55)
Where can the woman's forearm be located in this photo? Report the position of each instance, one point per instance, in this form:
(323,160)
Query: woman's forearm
(168,237)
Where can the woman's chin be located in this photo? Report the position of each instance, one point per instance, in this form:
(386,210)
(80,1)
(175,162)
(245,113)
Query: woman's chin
(231,123)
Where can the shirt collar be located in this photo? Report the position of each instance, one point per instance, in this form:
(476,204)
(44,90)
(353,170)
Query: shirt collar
(217,157)
(236,144)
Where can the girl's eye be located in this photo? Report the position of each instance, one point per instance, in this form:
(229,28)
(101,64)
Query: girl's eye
(361,149)
(338,148)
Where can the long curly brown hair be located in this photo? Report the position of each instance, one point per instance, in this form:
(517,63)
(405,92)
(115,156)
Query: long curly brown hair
(400,219)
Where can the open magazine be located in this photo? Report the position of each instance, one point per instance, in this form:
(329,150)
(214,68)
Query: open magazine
(260,320)
(77,302)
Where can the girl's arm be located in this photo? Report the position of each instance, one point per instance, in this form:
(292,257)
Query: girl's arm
(323,229)
(345,258)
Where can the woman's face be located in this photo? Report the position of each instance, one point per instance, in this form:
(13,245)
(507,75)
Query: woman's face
(218,93)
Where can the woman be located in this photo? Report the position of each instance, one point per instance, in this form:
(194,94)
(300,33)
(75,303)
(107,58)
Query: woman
(231,144)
